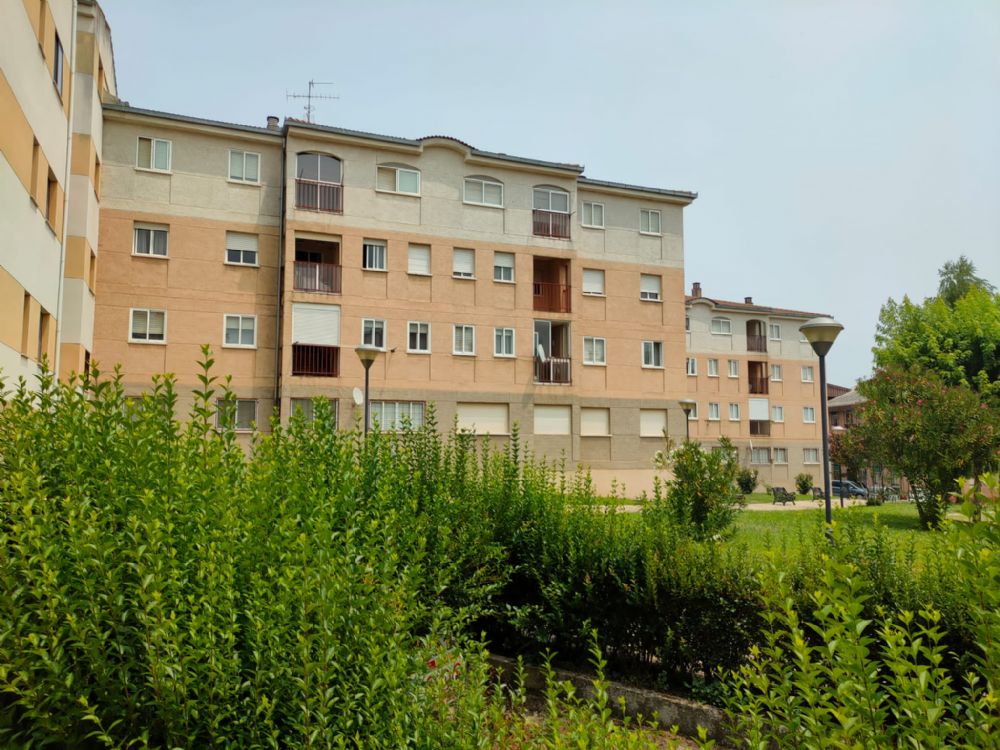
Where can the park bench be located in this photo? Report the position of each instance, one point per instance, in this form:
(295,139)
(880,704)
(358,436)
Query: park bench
(781,495)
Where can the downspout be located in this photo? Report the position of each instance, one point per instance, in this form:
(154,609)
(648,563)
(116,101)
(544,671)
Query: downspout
(281,276)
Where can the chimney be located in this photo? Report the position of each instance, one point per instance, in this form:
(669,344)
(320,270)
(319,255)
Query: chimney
(748,300)
(272,123)
(696,289)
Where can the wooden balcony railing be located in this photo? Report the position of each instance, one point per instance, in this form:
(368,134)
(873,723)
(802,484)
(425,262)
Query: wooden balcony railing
(551,297)
(550,224)
(315,360)
(317,277)
(760,427)
(758,384)
(319,196)
(552,370)
(756,343)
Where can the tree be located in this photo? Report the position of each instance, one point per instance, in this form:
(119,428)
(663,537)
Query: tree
(702,495)
(957,278)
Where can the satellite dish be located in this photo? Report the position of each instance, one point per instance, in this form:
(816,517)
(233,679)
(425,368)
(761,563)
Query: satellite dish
(359,397)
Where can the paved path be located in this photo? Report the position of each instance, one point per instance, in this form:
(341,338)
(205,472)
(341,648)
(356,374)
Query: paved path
(803,504)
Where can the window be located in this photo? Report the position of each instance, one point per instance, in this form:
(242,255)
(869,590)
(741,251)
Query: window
(419,260)
(649,287)
(693,414)
(57,67)
(810,455)
(463,263)
(481,191)
(652,354)
(594,351)
(807,373)
(551,419)
(503,267)
(395,416)
(774,331)
(393,179)
(649,221)
(595,422)
(692,366)
(503,342)
(51,199)
(306,407)
(781,455)
(592,215)
(652,422)
(154,154)
(418,339)
(239,414)
(734,412)
(44,321)
(734,368)
(373,255)
(809,414)
(593,281)
(775,372)
(464,340)
(713,412)
(483,419)
(722,326)
(149,239)
(241,249)
(373,333)
(240,331)
(760,455)
(148,326)
(550,199)
(777,413)
(318,183)
(687,323)
(713,368)
(244,166)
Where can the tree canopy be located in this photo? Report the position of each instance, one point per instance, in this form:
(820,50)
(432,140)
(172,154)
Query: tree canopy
(957,278)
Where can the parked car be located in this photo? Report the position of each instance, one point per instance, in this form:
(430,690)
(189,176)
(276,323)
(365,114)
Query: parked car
(850,488)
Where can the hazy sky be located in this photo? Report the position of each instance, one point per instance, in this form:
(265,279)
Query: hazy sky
(842,151)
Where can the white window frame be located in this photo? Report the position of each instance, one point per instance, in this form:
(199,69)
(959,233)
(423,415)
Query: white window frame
(456,253)
(58,58)
(398,420)
(591,205)
(807,374)
(813,452)
(131,313)
(776,373)
(409,332)
(755,452)
(365,245)
(648,296)
(648,214)
(780,456)
(376,324)
(655,350)
(309,412)
(465,327)
(583,282)
(409,259)
(496,267)
(219,403)
(734,411)
(396,172)
(593,361)
(243,180)
(242,318)
(714,414)
(550,191)
(692,366)
(774,331)
(806,419)
(693,414)
(713,368)
(777,413)
(241,262)
(483,182)
(140,226)
(503,331)
(152,154)
(723,330)
(734,368)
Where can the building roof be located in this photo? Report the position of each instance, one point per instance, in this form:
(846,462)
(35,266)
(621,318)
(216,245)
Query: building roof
(851,398)
(683,194)
(723,304)
(129,109)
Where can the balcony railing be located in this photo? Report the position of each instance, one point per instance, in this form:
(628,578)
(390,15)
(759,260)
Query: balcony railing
(317,277)
(551,297)
(758,384)
(760,427)
(319,196)
(552,370)
(550,224)
(315,360)
(756,343)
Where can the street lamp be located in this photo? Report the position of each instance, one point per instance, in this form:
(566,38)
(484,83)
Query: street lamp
(367,356)
(688,406)
(821,333)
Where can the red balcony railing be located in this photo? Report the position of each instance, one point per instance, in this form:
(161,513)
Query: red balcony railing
(756,343)
(315,360)
(760,427)
(319,196)
(317,277)
(552,370)
(550,224)
(551,297)
(758,384)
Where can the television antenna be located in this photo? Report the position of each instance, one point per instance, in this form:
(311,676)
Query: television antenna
(309,108)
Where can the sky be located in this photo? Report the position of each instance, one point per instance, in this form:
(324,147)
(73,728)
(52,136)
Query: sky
(842,150)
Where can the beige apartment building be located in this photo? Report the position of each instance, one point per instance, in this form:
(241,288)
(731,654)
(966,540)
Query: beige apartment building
(755,379)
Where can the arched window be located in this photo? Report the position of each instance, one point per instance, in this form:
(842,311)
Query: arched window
(550,212)
(319,167)
(483,191)
(722,326)
(318,182)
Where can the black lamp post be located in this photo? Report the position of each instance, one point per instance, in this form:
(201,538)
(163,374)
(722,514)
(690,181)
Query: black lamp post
(688,406)
(821,333)
(367,355)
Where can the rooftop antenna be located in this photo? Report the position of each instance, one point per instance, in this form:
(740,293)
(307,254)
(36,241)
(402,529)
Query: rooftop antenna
(310,96)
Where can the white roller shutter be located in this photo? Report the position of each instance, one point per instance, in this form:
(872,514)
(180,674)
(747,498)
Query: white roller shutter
(419,261)
(503,260)
(593,281)
(649,285)
(552,420)
(652,422)
(315,324)
(759,409)
(240,241)
(464,263)
(594,421)
(484,419)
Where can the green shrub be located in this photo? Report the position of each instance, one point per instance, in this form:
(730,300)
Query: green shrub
(701,496)
(746,479)
(803,483)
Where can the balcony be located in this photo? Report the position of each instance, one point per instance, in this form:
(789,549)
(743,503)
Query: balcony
(549,297)
(317,277)
(756,343)
(314,360)
(314,195)
(760,427)
(553,370)
(758,384)
(550,224)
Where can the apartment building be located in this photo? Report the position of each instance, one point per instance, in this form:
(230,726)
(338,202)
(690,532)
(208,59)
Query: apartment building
(755,379)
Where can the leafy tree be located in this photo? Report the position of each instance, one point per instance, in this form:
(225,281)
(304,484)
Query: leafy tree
(702,495)
(803,483)
(958,278)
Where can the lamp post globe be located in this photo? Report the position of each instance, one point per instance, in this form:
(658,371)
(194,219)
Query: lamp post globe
(687,405)
(367,355)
